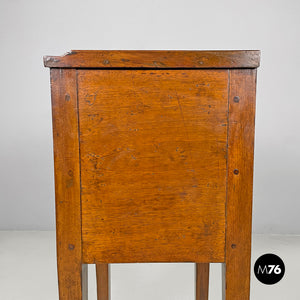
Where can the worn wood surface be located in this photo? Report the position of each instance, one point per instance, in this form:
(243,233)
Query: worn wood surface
(236,270)
(155,59)
(103,281)
(153,165)
(72,279)
(165,168)
(202,281)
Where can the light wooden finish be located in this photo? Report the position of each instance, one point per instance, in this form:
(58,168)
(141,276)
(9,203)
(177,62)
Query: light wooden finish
(103,281)
(153,155)
(72,279)
(202,281)
(155,59)
(153,165)
(236,270)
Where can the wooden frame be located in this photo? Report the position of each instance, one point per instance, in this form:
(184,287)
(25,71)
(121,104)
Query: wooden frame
(241,67)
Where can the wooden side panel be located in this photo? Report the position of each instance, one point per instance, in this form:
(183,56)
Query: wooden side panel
(240,181)
(153,164)
(67,185)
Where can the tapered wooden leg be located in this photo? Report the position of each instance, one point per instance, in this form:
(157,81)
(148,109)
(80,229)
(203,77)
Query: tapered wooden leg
(84,280)
(72,275)
(102,273)
(202,281)
(72,281)
(236,279)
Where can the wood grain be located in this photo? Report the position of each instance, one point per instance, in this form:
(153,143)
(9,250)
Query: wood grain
(72,276)
(153,155)
(103,281)
(236,271)
(153,165)
(155,59)
(202,281)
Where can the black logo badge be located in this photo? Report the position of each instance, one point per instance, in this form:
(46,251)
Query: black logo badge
(269,268)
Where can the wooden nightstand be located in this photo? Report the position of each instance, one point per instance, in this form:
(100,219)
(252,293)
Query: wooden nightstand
(153,156)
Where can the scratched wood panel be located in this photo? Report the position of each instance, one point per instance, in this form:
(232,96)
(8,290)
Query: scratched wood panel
(153,165)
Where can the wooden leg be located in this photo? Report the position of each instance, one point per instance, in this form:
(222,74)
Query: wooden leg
(102,273)
(72,275)
(237,267)
(84,280)
(72,281)
(236,279)
(202,281)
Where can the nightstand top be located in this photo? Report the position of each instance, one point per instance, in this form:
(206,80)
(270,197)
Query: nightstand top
(155,59)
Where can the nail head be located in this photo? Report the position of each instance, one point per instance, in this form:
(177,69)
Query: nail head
(236,99)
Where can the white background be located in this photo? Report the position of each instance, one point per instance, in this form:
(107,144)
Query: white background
(33,28)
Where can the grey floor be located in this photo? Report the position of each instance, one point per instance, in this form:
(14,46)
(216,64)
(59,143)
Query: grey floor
(28,272)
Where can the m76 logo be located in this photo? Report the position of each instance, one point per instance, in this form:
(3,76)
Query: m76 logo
(269,269)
